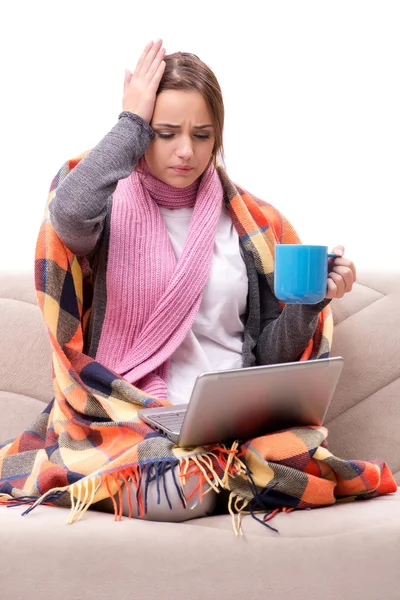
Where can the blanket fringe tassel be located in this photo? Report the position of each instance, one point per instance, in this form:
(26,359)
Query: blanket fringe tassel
(203,466)
(83,492)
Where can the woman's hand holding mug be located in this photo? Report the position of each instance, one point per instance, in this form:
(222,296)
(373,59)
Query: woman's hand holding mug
(342,274)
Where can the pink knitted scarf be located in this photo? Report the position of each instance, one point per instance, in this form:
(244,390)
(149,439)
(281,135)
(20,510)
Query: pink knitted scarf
(153,299)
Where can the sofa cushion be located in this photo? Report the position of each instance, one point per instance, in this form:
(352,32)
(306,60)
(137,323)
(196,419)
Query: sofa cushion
(25,353)
(18,412)
(364,417)
(347,551)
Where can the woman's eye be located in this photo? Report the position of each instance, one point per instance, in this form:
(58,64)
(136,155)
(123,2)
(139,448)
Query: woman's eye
(167,136)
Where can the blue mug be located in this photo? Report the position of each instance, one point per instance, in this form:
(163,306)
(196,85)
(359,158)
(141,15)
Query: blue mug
(301,273)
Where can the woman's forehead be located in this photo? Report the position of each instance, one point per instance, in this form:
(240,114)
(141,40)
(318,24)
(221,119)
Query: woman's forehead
(175,106)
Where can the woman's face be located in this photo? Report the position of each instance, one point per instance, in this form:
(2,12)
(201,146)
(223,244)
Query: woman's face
(184,136)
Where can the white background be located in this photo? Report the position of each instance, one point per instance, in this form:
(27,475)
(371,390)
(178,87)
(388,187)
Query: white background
(311,92)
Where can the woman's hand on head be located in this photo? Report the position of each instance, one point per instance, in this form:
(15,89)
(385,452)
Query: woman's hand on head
(140,87)
(341,276)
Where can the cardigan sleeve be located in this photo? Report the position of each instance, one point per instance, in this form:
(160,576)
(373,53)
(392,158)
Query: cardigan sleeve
(81,202)
(284,334)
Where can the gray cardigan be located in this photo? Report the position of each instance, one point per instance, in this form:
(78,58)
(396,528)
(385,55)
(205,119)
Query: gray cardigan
(80,214)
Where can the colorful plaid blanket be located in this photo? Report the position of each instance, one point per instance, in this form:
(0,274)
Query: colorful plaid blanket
(89,440)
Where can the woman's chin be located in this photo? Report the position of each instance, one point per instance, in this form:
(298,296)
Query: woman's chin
(178,180)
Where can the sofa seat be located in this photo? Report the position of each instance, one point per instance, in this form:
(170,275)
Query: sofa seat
(341,552)
(344,552)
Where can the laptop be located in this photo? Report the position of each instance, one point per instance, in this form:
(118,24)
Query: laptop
(240,404)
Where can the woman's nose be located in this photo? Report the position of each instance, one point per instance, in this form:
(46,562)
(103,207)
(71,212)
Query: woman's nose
(185,150)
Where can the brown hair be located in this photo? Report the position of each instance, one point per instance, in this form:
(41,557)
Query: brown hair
(185,71)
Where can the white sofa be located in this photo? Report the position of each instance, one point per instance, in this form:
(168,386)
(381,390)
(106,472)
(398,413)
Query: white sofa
(348,551)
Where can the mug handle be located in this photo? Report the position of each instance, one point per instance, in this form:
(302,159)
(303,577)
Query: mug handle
(332,255)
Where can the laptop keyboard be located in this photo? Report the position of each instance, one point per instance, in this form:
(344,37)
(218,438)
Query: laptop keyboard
(171,421)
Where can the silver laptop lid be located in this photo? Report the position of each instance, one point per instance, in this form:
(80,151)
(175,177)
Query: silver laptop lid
(244,403)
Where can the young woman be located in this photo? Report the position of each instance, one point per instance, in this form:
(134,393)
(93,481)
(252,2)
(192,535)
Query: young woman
(155,174)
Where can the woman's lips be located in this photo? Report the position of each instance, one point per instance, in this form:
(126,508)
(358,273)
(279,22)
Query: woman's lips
(182,171)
